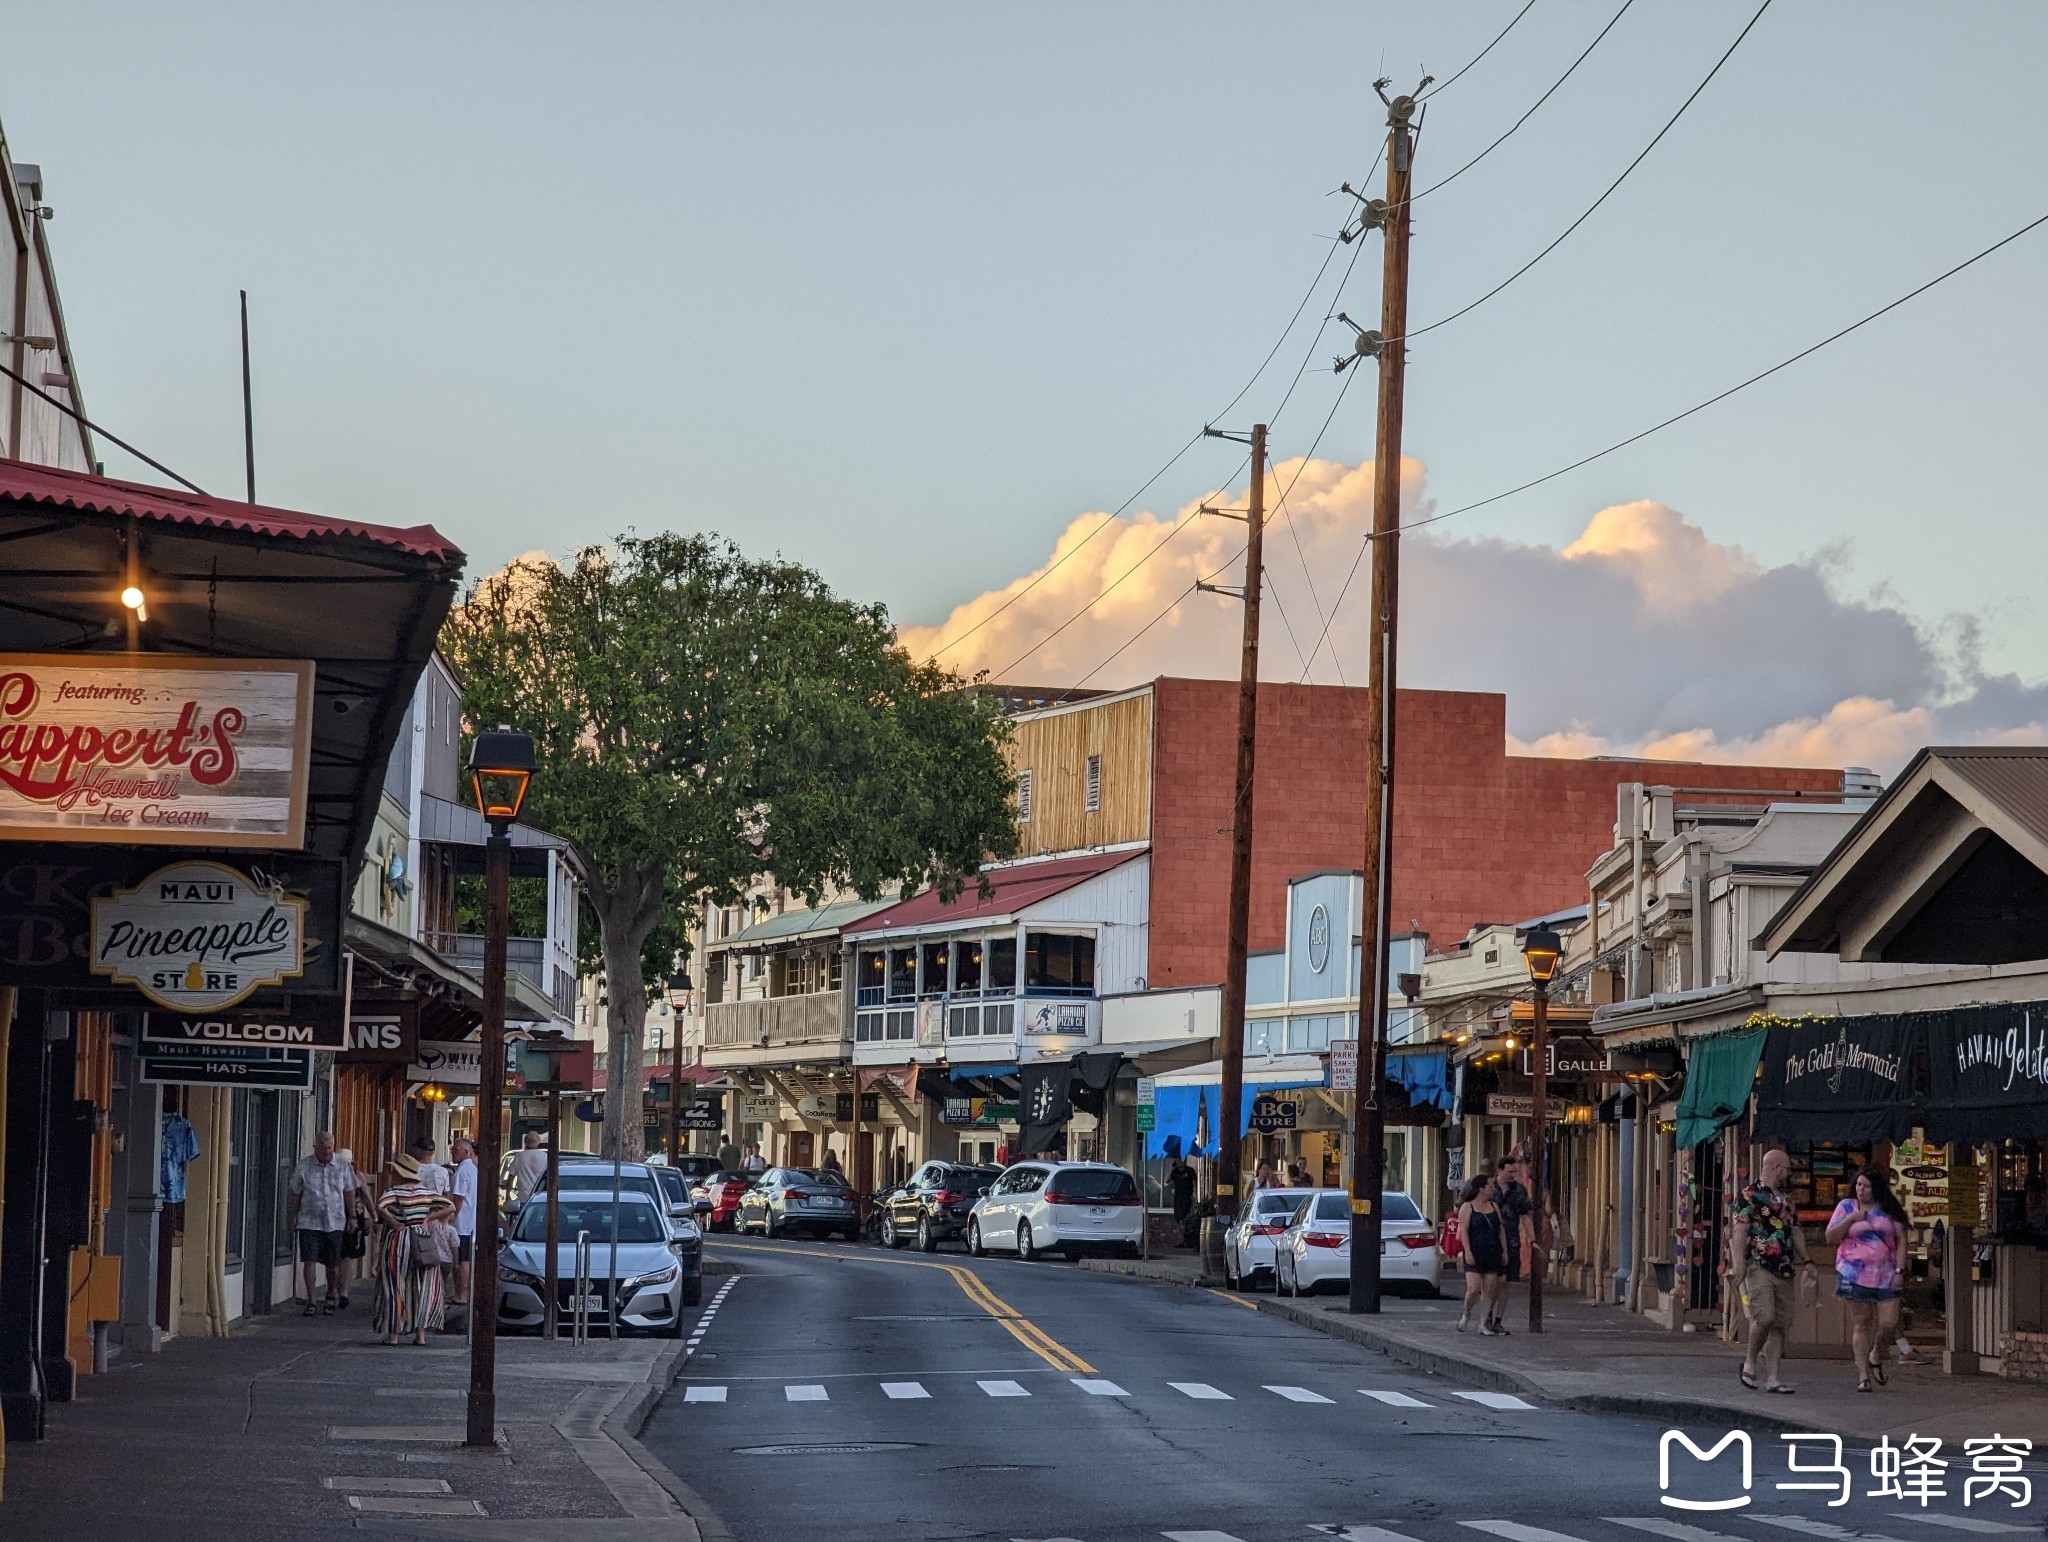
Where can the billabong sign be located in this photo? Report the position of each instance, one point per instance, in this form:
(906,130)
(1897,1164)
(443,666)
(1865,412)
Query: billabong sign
(144,748)
(199,936)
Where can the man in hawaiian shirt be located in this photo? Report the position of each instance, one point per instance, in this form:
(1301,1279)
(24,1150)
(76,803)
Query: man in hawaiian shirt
(1766,1250)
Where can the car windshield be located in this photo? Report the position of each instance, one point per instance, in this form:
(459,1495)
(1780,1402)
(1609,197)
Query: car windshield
(1094,1183)
(823,1176)
(673,1184)
(1393,1207)
(1332,1207)
(1399,1207)
(969,1180)
(581,1213)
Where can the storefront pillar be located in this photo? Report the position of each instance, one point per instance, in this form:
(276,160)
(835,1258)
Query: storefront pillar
(138,1115)
(21,1221)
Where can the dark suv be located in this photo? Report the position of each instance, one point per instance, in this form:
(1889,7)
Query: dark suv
(932,1207)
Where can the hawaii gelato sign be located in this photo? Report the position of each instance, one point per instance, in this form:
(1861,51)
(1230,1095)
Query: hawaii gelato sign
(146,748)
(199,936)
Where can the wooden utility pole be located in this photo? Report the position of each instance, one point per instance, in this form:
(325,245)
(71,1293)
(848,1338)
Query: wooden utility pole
(1230,1139)
(1368,1140)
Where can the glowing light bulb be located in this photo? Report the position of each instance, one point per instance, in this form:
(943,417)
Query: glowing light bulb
(132,597)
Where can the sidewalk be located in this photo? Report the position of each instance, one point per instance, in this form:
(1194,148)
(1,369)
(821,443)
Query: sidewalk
(1604,1360)
(301,1427)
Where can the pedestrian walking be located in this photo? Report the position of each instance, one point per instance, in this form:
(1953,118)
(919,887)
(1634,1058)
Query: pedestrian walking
(1486,1258)
(324,1196)
(753,1164)
(529,1167)
(1510,1196)
(1869,1233)
(728,1157)
(409,1298)
(463,1191)
(1181,1179)
(1766,1251)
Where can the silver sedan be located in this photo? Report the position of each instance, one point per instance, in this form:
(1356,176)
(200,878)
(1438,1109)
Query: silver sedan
(644,1277)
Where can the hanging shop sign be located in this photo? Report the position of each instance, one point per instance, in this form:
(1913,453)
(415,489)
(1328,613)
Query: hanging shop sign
(311,1022)
(1987,1073)
(706,1115)
(196,936)
(1570,1058)
(54,920)
(228,1065)
(1507,1105)
(978,1111)
(1839,1079)
(759,1107)
(382,1030)
(1274,1113)
(449,1063)
(1048,1017)
(147,749)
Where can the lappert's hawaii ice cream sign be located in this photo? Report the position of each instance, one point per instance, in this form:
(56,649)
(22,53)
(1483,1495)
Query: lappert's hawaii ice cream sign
(147,748)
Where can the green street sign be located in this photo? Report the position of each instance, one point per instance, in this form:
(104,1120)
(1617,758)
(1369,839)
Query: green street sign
(1146,1111)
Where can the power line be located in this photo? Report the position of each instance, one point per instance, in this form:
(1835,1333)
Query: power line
(1632,165)
(1489,48)
(115,439)
(1273,593)
(1697,407)
(1546,96)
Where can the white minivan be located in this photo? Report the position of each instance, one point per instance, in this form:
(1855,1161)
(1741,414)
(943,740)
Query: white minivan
(1058,1207)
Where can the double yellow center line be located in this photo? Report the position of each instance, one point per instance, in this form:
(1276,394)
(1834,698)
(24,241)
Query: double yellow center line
(1018,1326)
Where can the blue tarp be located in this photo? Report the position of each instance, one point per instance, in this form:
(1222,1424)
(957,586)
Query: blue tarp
(1426,1077)
(1175,1111)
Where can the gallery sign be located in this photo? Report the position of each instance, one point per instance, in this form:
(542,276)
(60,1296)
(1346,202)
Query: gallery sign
(448,1062)
(308,1023)
(197,936)
(153,749)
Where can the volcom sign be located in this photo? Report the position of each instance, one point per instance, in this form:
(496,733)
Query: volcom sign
(316,1028)
(198,936)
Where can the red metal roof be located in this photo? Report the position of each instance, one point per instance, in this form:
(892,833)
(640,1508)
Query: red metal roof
(25,483)
(1015,887)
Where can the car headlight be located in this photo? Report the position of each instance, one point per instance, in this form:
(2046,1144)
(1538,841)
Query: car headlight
(660,1278)
(518,1276)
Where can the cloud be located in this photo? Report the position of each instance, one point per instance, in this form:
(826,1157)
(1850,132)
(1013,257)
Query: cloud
(1641,636)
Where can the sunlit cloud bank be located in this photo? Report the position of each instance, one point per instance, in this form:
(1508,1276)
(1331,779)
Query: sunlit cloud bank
(1643,636)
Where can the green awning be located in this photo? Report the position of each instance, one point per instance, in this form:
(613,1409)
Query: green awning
(1719,1073)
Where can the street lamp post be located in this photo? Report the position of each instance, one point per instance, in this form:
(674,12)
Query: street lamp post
(501,767)
(1541,951)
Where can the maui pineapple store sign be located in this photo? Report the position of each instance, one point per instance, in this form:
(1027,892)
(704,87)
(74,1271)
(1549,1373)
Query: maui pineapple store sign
(145,749)
(199,936)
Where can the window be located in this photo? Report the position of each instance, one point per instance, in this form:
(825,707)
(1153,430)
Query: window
(902,974)
(1092,798)
(1262,1037)
(1059,963)
(1002,967)
(1398,1207)
(1332,1207)
(1096,1183)
(1024,797)
(870,975)
(935,954)
(967,967)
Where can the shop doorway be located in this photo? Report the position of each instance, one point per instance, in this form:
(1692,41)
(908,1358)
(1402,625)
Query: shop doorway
(802,1148)
(1704,1242)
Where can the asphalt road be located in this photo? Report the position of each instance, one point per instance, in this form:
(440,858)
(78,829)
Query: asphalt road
(859,1394)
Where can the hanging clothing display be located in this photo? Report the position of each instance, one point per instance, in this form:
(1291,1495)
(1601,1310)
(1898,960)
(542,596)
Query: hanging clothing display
(180,1149)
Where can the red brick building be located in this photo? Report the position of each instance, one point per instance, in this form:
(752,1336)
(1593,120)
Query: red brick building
(1479,834)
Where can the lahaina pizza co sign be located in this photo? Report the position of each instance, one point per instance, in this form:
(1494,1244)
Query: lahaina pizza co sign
(197,936)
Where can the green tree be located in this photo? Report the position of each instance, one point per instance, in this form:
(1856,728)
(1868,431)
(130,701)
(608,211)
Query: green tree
(701,718)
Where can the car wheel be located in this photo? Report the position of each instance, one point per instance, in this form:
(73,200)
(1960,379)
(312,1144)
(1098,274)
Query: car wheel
(1284,1282)
(974,1240)
(890,1234)
(770,1227)
(1025,1252)
(672,1329)
(693,1290)
(1232,1280)
(926,1242)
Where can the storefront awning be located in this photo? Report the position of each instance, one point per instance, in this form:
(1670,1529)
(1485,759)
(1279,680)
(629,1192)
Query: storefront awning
(1718,1079)
(1839,1079)
(1987,1073)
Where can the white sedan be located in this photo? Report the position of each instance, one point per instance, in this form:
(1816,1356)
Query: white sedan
(1315,1249)
(1249,1244)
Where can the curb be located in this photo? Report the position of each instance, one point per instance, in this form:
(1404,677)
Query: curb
(623,1426)
(1134,1269)
(1672,1410)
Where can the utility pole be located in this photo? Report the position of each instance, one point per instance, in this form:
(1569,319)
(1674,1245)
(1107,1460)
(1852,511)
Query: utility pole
(248,405)
(1230,1139)
(1368,1141)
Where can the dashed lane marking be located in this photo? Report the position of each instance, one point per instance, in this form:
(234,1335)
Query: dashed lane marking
(1098,1388)
(1495,1400)
(1393,1399)
(1299,1395)
(806,1394)
(1002,1389)
(1198,1536)
(1358,1533)
(904,1389)
(1515,1531)
(1201,1391)
(704,1395)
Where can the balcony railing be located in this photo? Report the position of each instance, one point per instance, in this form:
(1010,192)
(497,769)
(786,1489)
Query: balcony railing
(524,956)
(1035,1015)
(775,1023)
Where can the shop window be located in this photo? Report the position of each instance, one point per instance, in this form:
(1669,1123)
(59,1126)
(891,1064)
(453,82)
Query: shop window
(967,967)
(935,955)
(1262,1038)
(1059,964)
(1002,967)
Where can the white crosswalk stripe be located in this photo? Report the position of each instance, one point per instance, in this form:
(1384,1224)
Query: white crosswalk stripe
(1961,1523)
(1096,1387)
(1299,1395)
(1676,1531)
(1200,1390)
(904,1389)
(810,1394)
(1002,1389)
(1394,1399)
(1812,1528)
(1494,1400)
(1361,1533)
(1198,1536)
(704,1395)
(1515,1531)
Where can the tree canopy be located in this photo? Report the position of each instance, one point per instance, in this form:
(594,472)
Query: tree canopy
(702,718)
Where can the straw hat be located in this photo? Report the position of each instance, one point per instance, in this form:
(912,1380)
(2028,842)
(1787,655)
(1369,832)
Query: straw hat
(406,1168)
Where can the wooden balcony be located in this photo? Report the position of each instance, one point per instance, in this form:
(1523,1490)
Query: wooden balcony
(781,1022)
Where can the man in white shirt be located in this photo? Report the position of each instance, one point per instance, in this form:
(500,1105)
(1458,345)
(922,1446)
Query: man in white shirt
(464,1190)
(324,1196)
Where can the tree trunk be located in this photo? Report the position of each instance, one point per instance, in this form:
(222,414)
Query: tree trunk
(625,926)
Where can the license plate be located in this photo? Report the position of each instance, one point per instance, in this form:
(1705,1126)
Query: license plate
(1098,1214)
(586,1304)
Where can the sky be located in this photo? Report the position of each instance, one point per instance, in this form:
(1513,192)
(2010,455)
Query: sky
(914,292)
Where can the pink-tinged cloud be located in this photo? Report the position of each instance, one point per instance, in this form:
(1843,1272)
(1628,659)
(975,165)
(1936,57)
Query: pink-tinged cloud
(1641,636)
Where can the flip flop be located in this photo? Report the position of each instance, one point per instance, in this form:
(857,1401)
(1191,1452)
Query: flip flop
(1877,1368)
(1781,1390)
(1748,1377)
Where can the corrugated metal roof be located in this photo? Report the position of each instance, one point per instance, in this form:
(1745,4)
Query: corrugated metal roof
(104,495)
(803,923)
(1013,888)
(2015,777)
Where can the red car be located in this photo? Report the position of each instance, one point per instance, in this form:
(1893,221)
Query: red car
(724,1191)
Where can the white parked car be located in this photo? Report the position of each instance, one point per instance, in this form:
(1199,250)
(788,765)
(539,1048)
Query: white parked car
(1062,1207)
(1249,1244)
(1315,1250)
